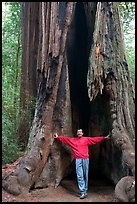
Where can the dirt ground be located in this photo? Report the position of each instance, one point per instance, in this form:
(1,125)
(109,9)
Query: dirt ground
(67,191)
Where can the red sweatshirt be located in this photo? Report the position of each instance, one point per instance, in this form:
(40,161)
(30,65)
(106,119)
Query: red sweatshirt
(80,145)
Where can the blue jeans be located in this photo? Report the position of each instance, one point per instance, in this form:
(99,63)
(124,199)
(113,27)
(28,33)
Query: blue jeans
(82,167)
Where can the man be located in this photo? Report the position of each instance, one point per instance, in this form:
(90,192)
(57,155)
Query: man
(79,147)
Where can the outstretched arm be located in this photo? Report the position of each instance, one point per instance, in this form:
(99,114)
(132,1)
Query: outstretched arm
(64,140)
(95,140)
(108,136)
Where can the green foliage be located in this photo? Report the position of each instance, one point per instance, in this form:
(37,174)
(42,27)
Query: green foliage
(127,12)
(10,149)
(130,53)
(11,62)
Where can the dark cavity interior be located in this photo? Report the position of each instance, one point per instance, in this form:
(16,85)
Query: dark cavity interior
(78,67)
(92,117)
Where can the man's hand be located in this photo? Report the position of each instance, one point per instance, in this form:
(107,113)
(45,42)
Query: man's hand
(108,136)
(55,135)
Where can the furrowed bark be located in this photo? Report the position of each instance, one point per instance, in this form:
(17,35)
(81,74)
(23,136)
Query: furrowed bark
(84,83)
(41,134)
(29,76)
(108,74)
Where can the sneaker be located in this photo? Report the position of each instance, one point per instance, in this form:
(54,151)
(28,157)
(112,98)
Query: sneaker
(86,194)
(83,195)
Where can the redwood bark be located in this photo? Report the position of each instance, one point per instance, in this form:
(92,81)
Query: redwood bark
(29,75)
(84,83)
(107,58)
(16,76)
(53,63)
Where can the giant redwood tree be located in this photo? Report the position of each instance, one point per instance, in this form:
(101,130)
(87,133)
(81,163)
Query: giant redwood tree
(29,75)
(84,82)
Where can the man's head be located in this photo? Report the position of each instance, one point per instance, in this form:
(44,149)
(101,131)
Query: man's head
(79,133)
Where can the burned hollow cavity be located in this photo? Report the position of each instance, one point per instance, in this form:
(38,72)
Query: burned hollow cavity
(85,114)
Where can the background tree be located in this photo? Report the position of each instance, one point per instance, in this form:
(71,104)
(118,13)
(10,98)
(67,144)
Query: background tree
(29,76)
(11,62)
(127,13)
(83,72)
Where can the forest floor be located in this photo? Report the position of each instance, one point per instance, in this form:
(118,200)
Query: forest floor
(67,191)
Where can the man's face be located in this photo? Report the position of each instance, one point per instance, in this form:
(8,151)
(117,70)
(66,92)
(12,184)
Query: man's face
(79,133)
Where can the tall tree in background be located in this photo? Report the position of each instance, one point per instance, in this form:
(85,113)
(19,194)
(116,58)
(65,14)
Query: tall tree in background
(29,77)
(127,11)
(11,63)
(84,83)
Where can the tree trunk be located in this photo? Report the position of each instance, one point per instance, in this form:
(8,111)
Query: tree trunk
(29,75)
(84,83)
(16,78)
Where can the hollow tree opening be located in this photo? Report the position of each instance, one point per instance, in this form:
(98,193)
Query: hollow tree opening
(77,55)
(94,37)
(92,117)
